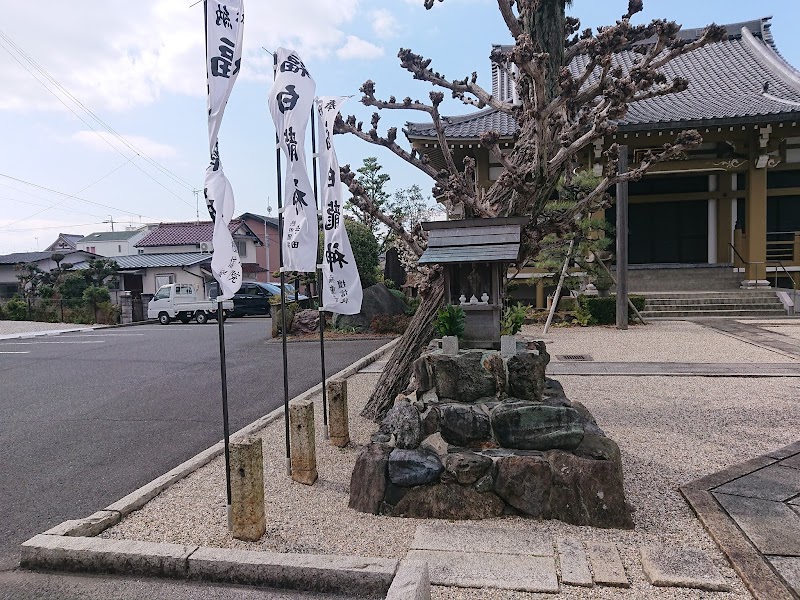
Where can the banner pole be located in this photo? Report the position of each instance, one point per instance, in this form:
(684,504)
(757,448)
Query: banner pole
(283,295)
(223,368)
(319,287)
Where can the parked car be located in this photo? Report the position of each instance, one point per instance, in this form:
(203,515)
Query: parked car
(180,301)
(253,297)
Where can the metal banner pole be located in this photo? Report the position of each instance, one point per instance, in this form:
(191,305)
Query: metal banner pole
(622,242)
(319,288)
(283,296)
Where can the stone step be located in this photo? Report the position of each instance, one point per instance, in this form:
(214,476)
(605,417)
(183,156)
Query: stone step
(713,313)
(744,294)
(713,302)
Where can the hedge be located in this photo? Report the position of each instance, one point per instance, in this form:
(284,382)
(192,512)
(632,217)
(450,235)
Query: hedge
(594,310)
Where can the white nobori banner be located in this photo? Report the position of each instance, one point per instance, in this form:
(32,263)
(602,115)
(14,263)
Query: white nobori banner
(224,29)
(290,102)
(341,285)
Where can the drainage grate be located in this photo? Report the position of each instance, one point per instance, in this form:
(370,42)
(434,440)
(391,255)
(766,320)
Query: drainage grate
(574,357)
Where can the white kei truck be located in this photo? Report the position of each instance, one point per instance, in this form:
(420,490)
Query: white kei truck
(179,301)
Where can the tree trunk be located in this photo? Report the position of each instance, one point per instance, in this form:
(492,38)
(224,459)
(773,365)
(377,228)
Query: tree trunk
(546,26)
(397,374)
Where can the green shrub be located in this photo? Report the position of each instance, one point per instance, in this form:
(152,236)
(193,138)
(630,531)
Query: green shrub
(389,323)
(16,310)
(96,294)
(413,305)
(450,321)
(513,319)
(594,310)
(397,293)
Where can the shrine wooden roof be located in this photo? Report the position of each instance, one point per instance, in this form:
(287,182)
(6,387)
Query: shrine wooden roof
(473,240)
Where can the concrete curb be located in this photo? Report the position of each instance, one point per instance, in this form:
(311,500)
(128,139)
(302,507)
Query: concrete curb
(759,578)
(49,332)
(72,545)
(310,572)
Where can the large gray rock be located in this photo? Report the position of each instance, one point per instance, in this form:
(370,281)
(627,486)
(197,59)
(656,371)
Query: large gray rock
(369,478)
(465,377)
(467,467)
(404,422)
(408,468)
(586,491)
(532,426)
(463,425)
(448,501)
(526,375)
(524,482)
(378,300)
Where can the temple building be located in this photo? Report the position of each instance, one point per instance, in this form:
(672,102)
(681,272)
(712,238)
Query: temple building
(725,213)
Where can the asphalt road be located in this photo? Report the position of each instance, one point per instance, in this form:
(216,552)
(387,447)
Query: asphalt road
(86,418)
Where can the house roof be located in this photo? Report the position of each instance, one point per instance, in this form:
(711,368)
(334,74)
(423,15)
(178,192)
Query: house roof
(27,257)
(167,259)
(253,268)
(109,236)
(741,79)
(256,217)
(181,234)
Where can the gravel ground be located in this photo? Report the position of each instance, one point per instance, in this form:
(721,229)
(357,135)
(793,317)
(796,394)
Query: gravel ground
(12,327)
(659,341)
(670,431)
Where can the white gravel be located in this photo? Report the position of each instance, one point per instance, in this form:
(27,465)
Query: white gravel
(659,341)
(670,431)
(15,327)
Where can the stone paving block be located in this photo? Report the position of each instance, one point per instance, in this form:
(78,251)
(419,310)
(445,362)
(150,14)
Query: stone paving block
(89,527)
(606,564)
(573,562)
(320,573)
(774,482)
(773,527)
(789,569)
(482,570)
(792,461)
(786,451)
(713,480)
(670,566)
(445,537)
(105,556)
(411,582)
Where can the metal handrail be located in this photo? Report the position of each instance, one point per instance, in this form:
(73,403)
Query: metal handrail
(765,263)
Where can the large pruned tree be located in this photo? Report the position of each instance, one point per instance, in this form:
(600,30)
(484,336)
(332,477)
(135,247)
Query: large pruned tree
(564,105)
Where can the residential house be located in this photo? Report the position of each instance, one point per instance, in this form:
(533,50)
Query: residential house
(65,242)
(113,243)
(9,284)
(145,273)
(268,255)
(731,206)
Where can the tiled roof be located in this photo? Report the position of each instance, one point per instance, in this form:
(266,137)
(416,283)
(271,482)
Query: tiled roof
(742,79)
(181,234)
(256,217)
(252,268)
(109,236)
(26,257)
(167,259)
(72,237)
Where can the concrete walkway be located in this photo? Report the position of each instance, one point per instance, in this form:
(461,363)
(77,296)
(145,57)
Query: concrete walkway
(756,334)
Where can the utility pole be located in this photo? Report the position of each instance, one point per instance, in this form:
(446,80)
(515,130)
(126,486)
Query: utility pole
(196,204)
(110,220)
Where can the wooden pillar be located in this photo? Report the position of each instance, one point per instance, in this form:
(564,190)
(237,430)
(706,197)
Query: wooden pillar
(622,242)
(724,222)
(756,220)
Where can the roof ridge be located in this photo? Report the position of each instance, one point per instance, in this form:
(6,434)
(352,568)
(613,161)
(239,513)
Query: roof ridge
(768,55)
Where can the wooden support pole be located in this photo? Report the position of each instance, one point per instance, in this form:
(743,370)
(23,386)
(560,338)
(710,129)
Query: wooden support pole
(622,242)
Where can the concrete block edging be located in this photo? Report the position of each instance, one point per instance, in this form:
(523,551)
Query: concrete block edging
(73,545)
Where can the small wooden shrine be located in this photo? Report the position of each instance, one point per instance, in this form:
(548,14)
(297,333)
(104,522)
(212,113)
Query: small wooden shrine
(475,254)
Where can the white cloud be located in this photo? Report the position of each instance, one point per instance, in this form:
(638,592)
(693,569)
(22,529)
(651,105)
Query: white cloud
(104,141)
(355,47)
(119,54)
(383,23)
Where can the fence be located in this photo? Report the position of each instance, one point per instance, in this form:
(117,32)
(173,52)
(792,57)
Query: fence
(62,310)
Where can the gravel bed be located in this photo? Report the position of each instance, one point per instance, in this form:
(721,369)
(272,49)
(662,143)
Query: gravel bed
(659,341)
(12,327)
(670,431)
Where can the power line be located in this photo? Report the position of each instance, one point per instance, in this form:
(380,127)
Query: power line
(41,187)
(107,127)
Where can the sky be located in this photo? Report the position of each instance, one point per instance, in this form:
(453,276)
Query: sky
(137,67)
